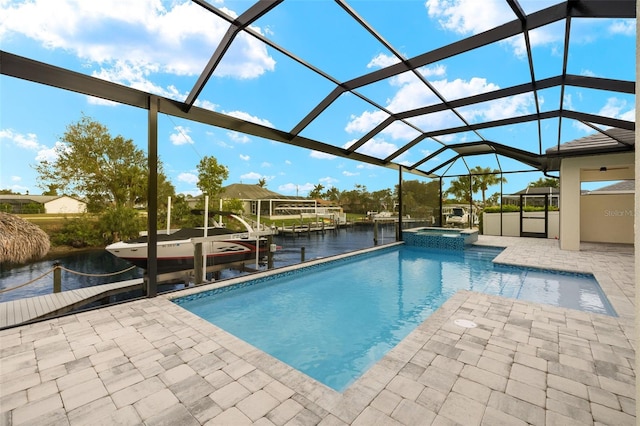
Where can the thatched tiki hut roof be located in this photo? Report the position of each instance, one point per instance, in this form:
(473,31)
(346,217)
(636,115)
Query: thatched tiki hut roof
(21,241)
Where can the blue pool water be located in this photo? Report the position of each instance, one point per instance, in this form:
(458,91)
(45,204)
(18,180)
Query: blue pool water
(334,321)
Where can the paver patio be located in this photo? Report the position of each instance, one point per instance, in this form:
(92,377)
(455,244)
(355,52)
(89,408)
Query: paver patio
(151,362)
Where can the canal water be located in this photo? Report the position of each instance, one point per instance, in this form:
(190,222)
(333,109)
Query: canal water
(88,265)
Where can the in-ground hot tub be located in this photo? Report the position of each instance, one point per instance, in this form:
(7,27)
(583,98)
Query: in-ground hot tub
(440,238)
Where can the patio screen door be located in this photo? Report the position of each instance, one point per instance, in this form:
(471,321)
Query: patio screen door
(534,223)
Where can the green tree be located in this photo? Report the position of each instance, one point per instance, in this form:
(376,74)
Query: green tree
(211,175)
(262,182)
(383,200)
(545,183)
(80,231)
(493,199)
(420,199)
(52,189)
(105,170)
(234,205)
(460,189)
(181,212)
(332,194)
(316,192)
(120,223)
(483,178)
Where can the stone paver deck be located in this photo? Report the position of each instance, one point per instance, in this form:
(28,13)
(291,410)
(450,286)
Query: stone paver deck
(151,362)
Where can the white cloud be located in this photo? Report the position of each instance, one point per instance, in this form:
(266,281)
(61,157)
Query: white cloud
(629,115)
(377,148)
(238,137)
(381,61)
(328,181)
(248,117)
(266,164)
(158,38)
(321,155)
(294,189)
(469,16)
(624,27)
(28,141)
(615,108)
(347,173)
(16,178)
(500,108)
(189,178)
(251,176)
(161,38)
(412,94)
(245,157)
(48,154)
(287,162)
(587,73)
(181,136)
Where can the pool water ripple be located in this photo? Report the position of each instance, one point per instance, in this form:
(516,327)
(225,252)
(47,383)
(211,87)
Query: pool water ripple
(335,321)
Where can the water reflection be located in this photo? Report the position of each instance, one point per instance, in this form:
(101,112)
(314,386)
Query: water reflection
(95,262)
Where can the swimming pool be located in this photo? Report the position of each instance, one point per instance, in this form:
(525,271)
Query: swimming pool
(333,321)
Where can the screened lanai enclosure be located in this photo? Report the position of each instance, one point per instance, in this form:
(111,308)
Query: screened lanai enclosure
(448,93)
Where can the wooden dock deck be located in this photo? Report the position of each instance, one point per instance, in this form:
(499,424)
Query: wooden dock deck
(38,307)
(305,229)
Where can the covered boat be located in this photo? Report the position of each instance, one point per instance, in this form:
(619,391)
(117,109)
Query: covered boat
(176,249)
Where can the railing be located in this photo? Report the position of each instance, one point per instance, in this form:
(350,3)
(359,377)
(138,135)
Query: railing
(57,277)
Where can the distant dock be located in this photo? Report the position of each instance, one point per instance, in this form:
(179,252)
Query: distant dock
(306,228)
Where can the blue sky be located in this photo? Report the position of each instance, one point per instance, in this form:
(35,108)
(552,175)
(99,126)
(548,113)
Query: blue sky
(162,46)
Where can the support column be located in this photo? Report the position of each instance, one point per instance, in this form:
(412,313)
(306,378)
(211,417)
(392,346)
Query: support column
(152,199)
(636,209)
(569,205)
(400,208)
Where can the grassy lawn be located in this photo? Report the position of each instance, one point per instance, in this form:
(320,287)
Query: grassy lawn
(48,222)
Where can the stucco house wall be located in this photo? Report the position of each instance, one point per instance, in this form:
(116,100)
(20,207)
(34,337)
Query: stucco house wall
(607,218)
(65,204)
(573,171)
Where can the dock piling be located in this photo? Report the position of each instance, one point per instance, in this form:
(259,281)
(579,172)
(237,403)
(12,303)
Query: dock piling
(197,264)
(57,278)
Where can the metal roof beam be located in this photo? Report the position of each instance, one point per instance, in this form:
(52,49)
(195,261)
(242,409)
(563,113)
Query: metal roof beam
(247,18)
(538,19)
(50,75)
(599,119)
(603,9)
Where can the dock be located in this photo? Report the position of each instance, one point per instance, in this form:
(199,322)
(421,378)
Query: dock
(39,307)
(306,228)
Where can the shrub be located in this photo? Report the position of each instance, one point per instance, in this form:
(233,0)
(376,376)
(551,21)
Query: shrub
(78,232)
(120,223)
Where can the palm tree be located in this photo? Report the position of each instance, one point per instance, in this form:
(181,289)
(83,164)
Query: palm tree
(332,194)
(460,189)
(483,178)
(316,191)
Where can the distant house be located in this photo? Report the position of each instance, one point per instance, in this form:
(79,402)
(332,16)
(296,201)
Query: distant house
(276,206)
(49,204)
(622,187)
(533,196)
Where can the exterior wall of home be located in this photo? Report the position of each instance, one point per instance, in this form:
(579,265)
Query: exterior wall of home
(511,224)
(607,218)
(573,170)
(65,205)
